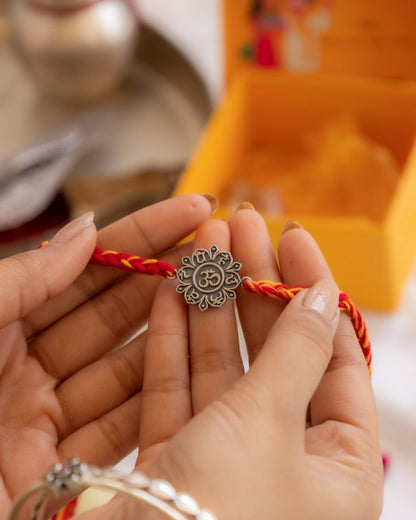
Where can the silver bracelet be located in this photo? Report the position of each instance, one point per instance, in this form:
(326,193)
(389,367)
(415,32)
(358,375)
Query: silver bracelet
(74,476)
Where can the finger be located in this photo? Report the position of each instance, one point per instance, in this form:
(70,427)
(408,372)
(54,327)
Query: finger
(108,439)
(100,387)
(297,352)
(345,393)
(166,400)
(100,325)
(147,232)
(215,357)
(29,279)
(250,245)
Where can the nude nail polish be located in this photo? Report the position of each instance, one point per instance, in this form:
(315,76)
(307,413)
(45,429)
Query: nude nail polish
(244,205)
(213,201)
(290,224)
(74,228)
(323,298)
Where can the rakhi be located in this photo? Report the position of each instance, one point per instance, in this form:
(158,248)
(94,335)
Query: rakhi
(208,278)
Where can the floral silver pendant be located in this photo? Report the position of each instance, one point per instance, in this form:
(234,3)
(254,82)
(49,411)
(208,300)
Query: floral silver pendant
(208,278)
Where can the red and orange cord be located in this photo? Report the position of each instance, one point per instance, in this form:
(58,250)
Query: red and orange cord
(135,264)
(68,511)
(275,290)
(281,291)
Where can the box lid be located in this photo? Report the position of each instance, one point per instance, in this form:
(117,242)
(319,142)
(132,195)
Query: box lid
(359,37)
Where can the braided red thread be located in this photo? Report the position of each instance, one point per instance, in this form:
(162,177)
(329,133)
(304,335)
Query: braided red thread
(275,290)
(281,291)
(136,264)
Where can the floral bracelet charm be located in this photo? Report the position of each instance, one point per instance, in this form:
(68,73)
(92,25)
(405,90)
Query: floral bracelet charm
(208,278)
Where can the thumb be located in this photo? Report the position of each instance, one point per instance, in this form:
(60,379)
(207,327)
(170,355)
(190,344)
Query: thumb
(28,279)
(297,351)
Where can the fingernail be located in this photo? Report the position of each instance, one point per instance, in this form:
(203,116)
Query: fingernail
(290,224)
(323,297)
(213,201)
(74,228)
(244,205)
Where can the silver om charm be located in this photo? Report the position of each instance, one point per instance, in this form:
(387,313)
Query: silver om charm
(208,278)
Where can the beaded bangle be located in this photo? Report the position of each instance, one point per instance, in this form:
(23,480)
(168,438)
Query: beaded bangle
(209,277)
(74,476)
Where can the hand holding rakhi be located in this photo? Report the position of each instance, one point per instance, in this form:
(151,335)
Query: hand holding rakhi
(238,443)
(64,389)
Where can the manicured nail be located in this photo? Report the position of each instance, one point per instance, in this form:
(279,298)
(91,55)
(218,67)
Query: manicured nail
(323,298)
(290,224)
(213,201)
(74,228)
(244,205)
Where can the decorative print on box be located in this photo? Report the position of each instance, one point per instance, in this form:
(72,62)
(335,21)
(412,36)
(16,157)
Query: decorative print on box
(286,33)
(208,278)
(335,36)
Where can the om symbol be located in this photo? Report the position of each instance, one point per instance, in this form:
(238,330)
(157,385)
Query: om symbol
(208,277)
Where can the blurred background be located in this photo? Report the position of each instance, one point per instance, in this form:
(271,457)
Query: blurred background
(100,108)
(103,105)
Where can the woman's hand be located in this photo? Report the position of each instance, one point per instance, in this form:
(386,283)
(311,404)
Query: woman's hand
(238,443)
(64,390)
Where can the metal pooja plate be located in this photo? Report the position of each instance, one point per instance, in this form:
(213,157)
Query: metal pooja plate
(208,278)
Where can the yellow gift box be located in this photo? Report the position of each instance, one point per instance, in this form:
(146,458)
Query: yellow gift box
(268,105)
